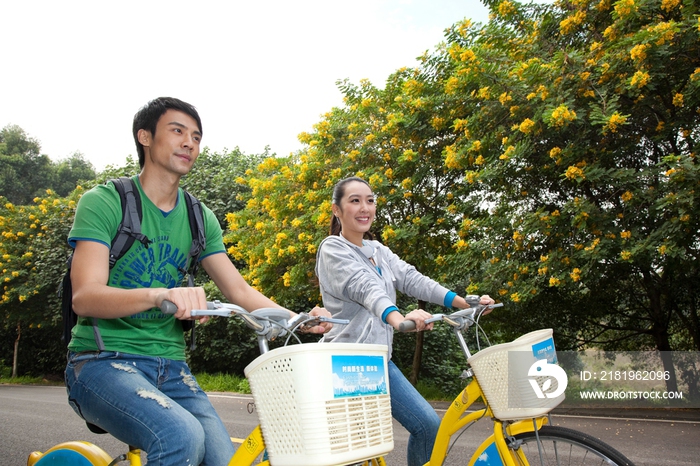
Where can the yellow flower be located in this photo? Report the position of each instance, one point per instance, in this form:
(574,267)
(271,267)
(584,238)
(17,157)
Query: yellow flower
(626,234)
(570,23)
(561,116)
(575,274)
(515,297)
(505,8)
(662,249)
(614,121)
(508,153)
(640,79)
(625,7)
(526,126)
(668,5)
(678,100)
(627,196)
(554,281)
(626,255)
(639,52)
(573,173)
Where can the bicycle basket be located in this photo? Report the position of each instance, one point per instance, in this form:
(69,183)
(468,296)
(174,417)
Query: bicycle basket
(515,384)
(323,403)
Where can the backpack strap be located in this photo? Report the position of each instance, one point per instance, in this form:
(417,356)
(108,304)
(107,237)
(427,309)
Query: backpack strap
(130,228)
(199,242)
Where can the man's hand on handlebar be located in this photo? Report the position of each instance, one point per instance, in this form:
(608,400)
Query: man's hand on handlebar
(186,299)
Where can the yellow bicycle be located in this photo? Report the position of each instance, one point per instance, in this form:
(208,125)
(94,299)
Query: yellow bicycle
(353,426)
(343,417)
(506,377)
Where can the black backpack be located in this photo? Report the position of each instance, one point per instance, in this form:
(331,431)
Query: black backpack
(129,231)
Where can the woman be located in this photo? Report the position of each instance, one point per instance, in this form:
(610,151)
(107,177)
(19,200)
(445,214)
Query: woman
(359,278)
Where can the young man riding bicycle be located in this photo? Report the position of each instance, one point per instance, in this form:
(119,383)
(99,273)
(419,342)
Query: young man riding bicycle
(139,387)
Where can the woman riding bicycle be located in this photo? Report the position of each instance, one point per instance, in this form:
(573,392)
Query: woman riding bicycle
(359,278)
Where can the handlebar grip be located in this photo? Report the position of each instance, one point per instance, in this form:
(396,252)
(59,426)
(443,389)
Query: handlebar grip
(407,326)
(168,307)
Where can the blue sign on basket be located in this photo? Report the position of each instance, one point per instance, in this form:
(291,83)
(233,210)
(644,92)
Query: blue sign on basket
(358,376)
(545,350)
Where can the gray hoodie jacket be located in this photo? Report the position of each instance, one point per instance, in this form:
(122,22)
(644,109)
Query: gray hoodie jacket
(352,288)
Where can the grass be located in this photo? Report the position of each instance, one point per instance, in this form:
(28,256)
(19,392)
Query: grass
(219,383)
(223,383)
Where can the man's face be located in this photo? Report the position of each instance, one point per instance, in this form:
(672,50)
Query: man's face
(175,145)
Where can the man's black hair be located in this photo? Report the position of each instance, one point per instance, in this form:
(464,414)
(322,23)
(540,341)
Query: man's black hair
(147,118)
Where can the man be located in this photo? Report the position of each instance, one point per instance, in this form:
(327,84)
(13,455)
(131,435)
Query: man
(139,388)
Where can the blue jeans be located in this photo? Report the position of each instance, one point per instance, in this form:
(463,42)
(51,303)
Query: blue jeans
(415,415)
(152,403)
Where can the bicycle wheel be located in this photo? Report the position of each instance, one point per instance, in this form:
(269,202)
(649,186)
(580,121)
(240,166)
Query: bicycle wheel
(561,446)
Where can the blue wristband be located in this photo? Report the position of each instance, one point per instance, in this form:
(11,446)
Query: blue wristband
(388,311)
(449,297)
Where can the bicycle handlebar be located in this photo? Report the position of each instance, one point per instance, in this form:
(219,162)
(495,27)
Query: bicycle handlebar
(268,323)
(459,319)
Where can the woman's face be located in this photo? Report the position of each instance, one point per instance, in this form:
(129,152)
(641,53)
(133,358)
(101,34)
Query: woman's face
(356,211)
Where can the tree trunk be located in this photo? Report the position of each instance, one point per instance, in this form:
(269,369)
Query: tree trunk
(417,357)
(418,354)
(16,350)
(659,328)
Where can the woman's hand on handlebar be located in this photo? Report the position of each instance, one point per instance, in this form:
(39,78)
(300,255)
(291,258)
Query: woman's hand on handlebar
(323,327)
(418,316)
(485,300)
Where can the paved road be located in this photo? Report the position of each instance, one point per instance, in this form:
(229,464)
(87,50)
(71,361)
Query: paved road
(36,418)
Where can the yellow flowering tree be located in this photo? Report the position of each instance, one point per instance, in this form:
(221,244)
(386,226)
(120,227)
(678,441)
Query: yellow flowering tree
(33,251)
(395,138)
(547,158)
(587,189)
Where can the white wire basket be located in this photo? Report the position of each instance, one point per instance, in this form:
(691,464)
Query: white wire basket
(507,375)
(323,404)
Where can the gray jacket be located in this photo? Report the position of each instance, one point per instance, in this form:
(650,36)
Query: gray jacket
(352,288)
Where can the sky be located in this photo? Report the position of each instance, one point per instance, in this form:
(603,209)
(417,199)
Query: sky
(258,72)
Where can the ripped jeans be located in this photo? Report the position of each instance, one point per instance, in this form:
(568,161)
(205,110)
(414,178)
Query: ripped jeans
(154,404)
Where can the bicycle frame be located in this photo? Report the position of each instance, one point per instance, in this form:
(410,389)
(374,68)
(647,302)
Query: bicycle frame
(495,445)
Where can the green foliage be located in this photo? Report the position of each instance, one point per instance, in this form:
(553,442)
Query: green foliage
(579,151)
(548,158)
(23,171)
(33,253)
(70,173)
(213,180)
(26,174)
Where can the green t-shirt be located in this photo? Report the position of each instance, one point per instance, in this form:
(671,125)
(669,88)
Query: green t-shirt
(149,332)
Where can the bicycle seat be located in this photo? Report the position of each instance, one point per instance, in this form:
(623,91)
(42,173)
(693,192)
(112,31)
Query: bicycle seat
(95,429)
